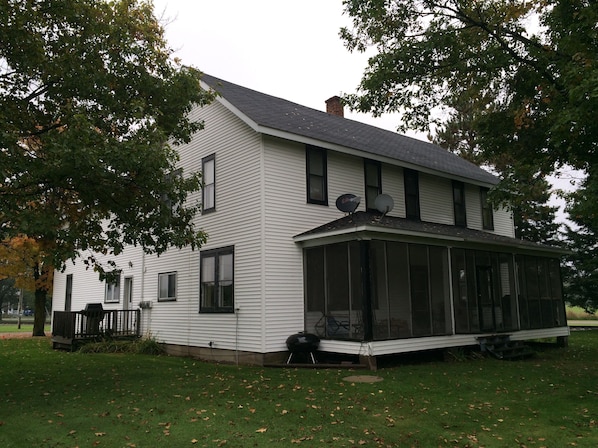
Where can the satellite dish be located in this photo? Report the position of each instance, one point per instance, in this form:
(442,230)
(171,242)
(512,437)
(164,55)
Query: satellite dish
(347,203)
(384,203)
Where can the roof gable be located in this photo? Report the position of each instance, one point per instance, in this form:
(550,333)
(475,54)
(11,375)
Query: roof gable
(271,113)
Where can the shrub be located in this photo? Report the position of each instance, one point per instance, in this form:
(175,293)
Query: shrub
(144,346)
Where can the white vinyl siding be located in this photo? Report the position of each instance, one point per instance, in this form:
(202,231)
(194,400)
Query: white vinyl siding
(235,222)
(435,199)
(503,223)
(392,185)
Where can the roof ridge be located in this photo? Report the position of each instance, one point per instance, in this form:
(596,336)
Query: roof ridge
(271,112)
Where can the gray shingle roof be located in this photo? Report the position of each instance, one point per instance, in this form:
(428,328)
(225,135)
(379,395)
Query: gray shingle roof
(430,229)
(281,115)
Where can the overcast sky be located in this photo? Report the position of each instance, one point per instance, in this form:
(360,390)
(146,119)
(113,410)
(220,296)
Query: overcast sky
(287,48)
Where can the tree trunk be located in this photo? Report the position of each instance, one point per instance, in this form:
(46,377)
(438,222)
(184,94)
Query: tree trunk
(39,315)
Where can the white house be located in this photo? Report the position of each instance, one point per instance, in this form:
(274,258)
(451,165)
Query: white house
(437,268)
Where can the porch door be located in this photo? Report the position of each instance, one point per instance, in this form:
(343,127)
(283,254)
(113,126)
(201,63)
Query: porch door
(127,320)
(128,297)
(487,309)
(68,295)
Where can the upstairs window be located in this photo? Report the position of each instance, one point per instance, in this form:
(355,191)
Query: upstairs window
(167,287)
(411,179)
(487,211)
(373,183)
(317,178)
(459,203)
(208,172)
(217,281)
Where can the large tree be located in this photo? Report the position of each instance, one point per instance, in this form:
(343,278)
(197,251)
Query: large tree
(22,259)
(92,106)
(523,189)
(530,65)
(535,60)
(581,269)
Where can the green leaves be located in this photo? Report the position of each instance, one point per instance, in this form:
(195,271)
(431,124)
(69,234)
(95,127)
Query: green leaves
(89,98)
(534,61)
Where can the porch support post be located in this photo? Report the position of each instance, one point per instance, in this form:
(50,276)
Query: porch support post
(366,290)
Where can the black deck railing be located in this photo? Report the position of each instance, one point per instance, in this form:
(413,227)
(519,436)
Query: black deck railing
(80,325)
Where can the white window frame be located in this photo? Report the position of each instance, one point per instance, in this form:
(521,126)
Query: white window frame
(168,277)
(112,291)
(208,173)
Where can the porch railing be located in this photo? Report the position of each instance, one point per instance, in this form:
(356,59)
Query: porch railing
(93,324)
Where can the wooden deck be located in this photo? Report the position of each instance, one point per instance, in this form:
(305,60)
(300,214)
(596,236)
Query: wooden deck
(70,329)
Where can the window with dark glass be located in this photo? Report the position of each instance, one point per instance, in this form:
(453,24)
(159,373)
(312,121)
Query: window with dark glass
(217,281)
(373,183)
(317,188)
(208,172)
(459,204)
(411,179)
(487,212)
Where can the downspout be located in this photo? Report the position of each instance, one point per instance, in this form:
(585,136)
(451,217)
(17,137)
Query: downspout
(146,310)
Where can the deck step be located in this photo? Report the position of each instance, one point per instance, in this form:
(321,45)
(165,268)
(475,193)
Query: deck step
(502,347)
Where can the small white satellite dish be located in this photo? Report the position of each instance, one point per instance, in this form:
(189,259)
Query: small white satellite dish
(384,203)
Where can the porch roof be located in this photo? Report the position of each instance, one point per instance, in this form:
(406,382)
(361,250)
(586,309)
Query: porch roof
(364,225)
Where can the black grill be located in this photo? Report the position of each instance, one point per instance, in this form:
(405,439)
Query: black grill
(303,342)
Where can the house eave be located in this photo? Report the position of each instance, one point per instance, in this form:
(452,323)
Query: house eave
(368,231)
(285,135)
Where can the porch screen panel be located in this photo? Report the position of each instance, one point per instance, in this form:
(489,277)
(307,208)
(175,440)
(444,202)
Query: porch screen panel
(314,281)
(497,280)
(337,272)
(472,292)
(508,302)
(314,290)
(545,294)
(557,292)
(379,290)
(460,292)
(524,322)
(420,290)
(533,292)
(356,292)
(398,290)
(356,295)
(439,289)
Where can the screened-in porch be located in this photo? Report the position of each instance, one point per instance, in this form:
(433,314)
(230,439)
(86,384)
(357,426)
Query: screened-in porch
(375,289)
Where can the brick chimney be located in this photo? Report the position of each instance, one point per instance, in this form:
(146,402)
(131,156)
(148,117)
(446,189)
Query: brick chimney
(334,106)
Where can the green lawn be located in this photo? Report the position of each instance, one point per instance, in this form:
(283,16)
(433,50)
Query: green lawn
(12,327)
(61,399)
